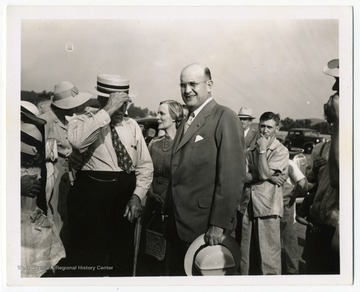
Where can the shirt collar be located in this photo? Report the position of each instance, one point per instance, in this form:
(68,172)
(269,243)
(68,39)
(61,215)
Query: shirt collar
(196,112)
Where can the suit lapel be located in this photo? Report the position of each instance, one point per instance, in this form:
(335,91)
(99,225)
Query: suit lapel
(198,122)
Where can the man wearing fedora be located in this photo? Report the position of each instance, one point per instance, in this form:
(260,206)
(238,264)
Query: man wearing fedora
(112,180)
(66,100)
(246,117)
(207,169)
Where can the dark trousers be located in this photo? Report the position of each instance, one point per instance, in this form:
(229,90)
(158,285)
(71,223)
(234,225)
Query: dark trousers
(102,240)
(319,256)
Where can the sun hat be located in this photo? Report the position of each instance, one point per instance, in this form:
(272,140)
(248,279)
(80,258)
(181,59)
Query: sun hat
(30,111)
(332,68)
(67,96)
(109,83)
(31,140)
(245,112)
(206,260)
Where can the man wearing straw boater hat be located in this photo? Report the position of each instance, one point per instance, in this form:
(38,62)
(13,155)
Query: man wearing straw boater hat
(66,100)
(111,183)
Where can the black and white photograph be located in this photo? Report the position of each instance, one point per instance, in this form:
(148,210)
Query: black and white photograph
(179,145)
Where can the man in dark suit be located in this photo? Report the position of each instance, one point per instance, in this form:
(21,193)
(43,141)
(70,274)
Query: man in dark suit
(246,118)
(207,169)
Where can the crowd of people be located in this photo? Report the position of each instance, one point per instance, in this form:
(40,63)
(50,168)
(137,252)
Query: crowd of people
(99,200)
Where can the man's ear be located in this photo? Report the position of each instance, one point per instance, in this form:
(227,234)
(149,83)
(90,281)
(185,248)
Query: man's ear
(209,85)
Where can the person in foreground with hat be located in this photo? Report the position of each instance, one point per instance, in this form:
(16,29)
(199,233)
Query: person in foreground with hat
(325,210)
(31,184)
(207,169)
(41,247)
(112,180)
(66,101)
(268,162)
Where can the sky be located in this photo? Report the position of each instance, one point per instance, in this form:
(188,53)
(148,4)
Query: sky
(267,63)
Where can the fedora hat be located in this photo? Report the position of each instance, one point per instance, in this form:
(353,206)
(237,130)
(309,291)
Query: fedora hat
(109,83)
(31,112)
(332,68)
(206,260)
(245,112)
(67,96)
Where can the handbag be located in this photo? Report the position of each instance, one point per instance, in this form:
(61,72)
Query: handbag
(155,242)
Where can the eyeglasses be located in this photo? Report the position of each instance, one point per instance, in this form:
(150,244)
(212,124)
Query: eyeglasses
(192,84)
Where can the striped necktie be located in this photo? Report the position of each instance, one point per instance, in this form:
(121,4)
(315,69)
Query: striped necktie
(188,122)
(123,157)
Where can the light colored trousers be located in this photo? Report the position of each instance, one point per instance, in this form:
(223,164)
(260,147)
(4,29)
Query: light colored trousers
(267,238)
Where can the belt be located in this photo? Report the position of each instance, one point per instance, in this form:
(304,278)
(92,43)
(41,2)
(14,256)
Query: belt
(104,176)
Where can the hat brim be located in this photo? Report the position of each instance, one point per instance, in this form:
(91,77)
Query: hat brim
(96,92)
(33,118)
(229,242)
(72,101)
(334,72)
(246,116)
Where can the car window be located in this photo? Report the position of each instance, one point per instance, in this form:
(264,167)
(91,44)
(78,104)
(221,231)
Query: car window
(311,134)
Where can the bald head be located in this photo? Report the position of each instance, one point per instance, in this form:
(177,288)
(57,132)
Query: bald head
(198,67)
(196,85)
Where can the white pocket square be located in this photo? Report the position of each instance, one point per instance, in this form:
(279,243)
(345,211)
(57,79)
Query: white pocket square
(198,138)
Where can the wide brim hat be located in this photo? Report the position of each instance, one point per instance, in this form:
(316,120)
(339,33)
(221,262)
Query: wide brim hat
(332,68)
(110,83)
(67,96)
(212,260)
(31,112)
(245,112)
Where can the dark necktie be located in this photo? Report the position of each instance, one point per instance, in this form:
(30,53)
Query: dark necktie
(123,157)
(188,122)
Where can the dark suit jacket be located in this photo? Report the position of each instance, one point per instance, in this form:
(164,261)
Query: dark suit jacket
(207,172)
(250,138)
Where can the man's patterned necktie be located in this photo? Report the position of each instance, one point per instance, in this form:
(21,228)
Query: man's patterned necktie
(188,122)
(123,157)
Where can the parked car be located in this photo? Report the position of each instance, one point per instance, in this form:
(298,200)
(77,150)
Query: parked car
(302,138)
(150,128)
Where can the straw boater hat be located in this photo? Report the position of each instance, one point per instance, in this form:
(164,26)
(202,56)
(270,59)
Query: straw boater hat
(245,113)
(109,83)
(31,112)
(221,259)
(67,96)
(332,68)
(32,139)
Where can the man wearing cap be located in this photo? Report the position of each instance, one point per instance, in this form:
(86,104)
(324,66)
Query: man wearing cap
(207,169)
(325,208)
(64,103)
(113,178)
(267,165)
(246,118)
